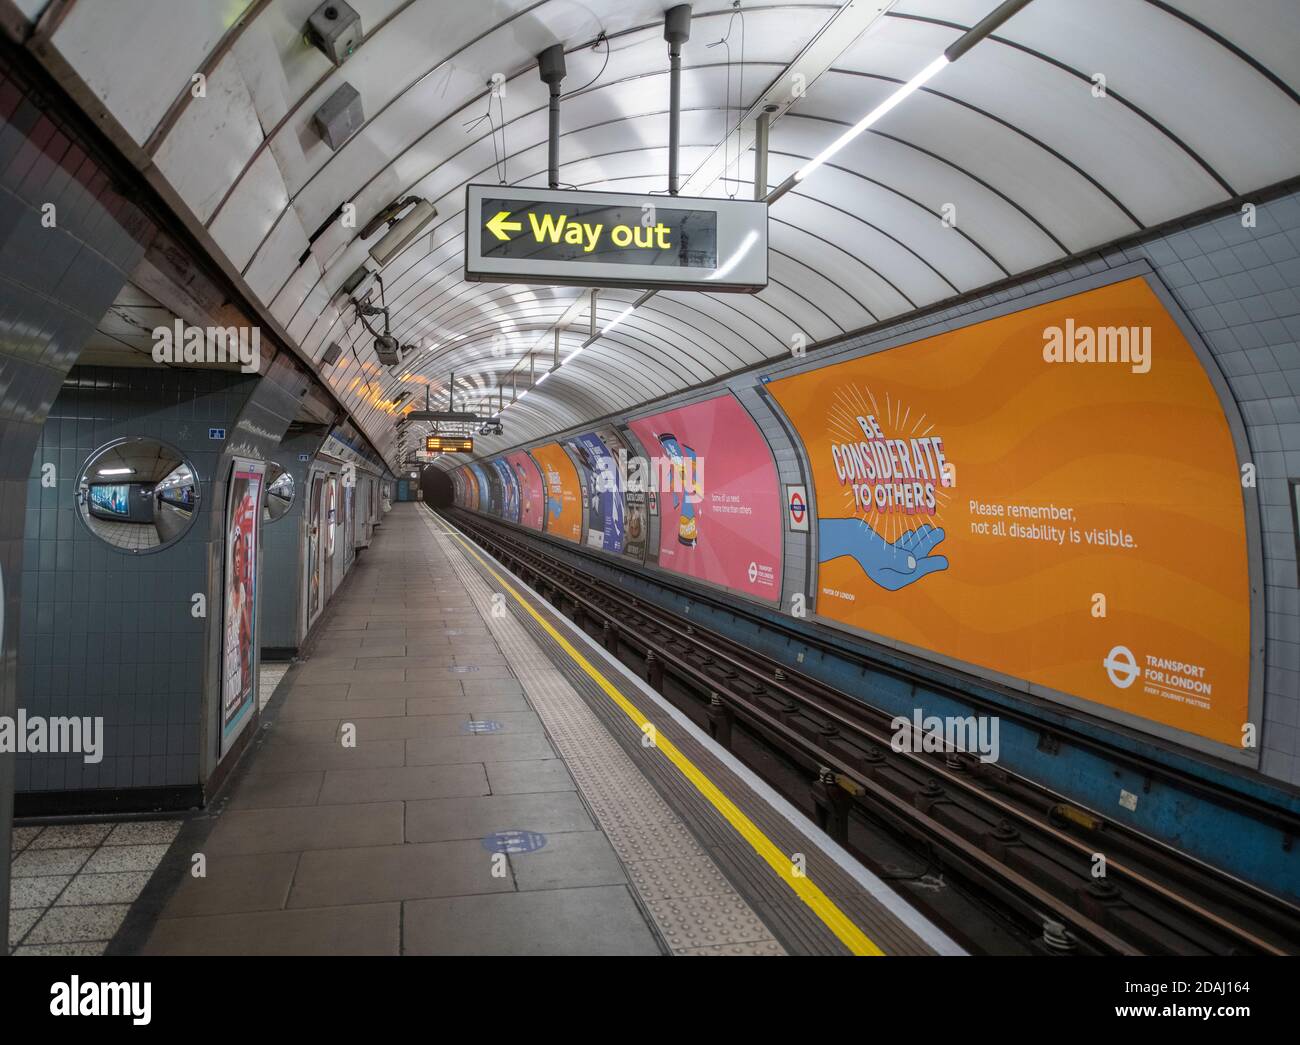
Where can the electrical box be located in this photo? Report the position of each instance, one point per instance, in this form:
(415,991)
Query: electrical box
(340,117)
(335,28)
(355,280)
(332,354)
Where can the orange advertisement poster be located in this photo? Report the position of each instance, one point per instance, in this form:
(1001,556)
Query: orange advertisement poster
(563,492)
(1052,495)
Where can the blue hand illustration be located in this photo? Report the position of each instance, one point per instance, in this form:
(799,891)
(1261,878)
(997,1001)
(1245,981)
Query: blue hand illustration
(892,566)
(554,506)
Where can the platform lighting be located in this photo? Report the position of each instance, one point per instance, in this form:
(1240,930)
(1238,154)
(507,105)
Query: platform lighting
(912,85)
(116,471)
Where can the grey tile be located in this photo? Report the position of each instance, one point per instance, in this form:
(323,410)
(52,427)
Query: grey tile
(409,726)
(31,862)
(328,676)
(447,818)
(21,921)
(36,892)
(250,882)
(408,690)
(306,730)
(602,920)
(125,858)
(118,887)
(476,706)
(341,710)
(481,687)
(513,721)
(484,672)
(328,878)
(22,837)
(300,690)
(489,748)
(569,861)
(306,827)
(71,836)
(75,924)
(401,783)
(269,790)
(86,949)
(145,832)
(299,756)
(369,929)
(513,778)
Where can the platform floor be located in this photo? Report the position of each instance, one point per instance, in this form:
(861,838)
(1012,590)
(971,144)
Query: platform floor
(390,846)
(453,768)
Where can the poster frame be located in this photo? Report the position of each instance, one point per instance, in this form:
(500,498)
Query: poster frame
(229,727)
(852,350)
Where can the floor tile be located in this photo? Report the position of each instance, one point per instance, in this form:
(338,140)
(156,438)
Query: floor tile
(232,884)
(602,920)
(403,783)
(260,790)
(448,818)
(74,924)
(569,861)
(369,929)
(490,748)
(118,887)
(148,832)
(21,921)
(515,778)
(125,858)
(86,949)
(71,836)
(373,874)
(36,892)
(291,756)
(32,862)
(306,827)
(341,710)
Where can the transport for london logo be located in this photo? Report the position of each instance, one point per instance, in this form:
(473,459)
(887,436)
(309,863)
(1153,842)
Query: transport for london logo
(1121,667)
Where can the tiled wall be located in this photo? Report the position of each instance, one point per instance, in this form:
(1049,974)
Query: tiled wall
(108,633)
(55,284)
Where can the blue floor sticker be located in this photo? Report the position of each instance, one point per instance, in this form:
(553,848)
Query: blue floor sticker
(515,841)
(482,726)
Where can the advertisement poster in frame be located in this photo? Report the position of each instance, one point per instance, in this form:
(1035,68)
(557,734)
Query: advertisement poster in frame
(239,599)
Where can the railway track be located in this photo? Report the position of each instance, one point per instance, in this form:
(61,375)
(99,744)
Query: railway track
(1034,856)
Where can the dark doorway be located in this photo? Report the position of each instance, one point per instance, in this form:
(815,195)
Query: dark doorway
(435,488)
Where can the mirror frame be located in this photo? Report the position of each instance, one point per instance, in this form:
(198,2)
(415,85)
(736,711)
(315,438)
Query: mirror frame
(79,501)
(267,518)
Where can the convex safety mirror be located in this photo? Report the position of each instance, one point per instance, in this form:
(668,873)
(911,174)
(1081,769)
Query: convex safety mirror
(137,495)
(279,492)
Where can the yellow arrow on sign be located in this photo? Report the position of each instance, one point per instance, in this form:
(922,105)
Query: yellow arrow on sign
(498,225)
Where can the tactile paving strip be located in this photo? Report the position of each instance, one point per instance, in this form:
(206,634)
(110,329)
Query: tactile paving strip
(691,902)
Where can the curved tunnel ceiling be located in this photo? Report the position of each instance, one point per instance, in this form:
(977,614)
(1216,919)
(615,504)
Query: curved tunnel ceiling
(1201,105)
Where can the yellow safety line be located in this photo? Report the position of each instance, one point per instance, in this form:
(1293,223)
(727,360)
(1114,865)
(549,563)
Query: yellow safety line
(836,920)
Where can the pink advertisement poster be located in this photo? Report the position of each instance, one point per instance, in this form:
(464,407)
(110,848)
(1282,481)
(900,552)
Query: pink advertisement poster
(532,500)
(719,499)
